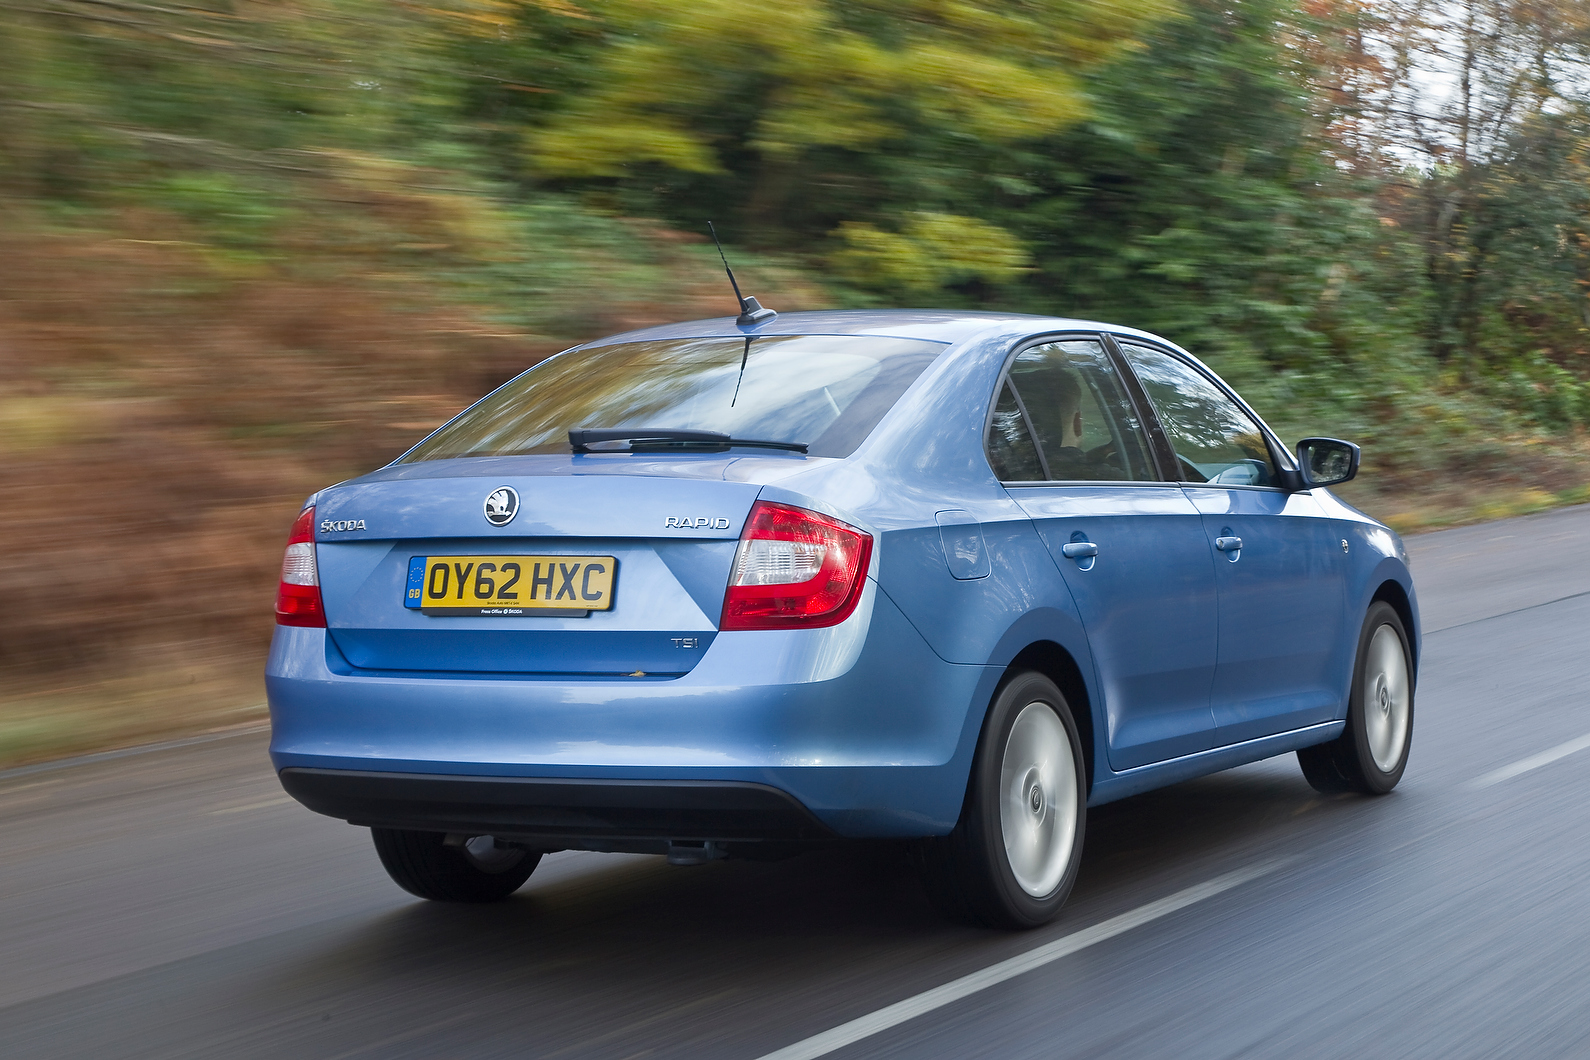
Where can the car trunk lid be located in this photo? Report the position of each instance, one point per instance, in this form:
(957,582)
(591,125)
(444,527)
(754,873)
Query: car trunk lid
(670,542)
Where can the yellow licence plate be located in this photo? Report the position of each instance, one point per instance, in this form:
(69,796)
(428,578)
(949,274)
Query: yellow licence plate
(510,586)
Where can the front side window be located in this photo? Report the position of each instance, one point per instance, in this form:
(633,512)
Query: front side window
(825,391)
(1214,439)
(1083,425)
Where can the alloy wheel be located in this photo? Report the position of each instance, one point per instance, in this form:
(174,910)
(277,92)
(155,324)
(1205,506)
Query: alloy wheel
(1038,799)
(1386,698)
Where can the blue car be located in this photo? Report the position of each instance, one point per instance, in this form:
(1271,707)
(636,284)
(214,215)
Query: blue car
(739,587)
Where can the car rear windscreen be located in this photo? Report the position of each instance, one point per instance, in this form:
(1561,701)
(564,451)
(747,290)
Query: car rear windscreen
(826,391)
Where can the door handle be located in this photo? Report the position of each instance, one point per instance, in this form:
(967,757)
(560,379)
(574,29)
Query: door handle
(1079,550)
(1229,544)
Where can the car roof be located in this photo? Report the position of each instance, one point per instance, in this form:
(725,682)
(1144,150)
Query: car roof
(933,325)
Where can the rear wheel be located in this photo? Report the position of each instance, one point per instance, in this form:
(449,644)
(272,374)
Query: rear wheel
(1372,751)
(478,870)
(1013,856)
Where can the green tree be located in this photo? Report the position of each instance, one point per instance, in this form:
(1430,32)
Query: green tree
(803,115)
(1196,199)
(1472,116)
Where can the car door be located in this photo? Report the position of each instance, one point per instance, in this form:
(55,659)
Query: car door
(1279,566)
(1068,441)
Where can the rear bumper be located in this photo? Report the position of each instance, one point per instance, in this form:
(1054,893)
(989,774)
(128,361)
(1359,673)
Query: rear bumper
(556,809)
(858,726)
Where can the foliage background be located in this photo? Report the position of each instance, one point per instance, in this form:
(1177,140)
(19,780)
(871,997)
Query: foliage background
(249,247)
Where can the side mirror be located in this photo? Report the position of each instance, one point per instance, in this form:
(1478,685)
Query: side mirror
(1327,461)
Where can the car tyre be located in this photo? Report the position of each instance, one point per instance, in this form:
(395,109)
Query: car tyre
(477,871)
(1372,751)
(1013,856)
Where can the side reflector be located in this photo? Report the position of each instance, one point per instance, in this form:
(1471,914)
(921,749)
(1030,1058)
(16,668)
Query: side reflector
(298,594)
(795,569)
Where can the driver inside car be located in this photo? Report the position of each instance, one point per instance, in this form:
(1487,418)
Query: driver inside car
(1055,404)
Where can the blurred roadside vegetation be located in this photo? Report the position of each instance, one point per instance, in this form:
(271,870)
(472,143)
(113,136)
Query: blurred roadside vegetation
(248,247)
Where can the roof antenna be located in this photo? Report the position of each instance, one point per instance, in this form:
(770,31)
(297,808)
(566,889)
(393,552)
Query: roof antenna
(751,311)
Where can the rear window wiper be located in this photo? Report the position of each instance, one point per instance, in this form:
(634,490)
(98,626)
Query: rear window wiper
(651,437)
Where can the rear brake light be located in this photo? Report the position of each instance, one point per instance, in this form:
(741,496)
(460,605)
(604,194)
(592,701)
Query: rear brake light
(298,595)
(795,569)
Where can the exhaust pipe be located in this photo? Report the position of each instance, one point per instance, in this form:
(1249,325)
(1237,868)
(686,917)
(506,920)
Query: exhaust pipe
(694,853)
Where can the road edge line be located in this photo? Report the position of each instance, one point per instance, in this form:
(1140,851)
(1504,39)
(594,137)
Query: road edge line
(127,752)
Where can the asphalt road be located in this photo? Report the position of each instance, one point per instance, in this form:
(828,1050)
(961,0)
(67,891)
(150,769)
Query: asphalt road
(176,904)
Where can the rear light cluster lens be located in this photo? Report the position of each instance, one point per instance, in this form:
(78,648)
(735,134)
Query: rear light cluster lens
(795,569)
(298,595)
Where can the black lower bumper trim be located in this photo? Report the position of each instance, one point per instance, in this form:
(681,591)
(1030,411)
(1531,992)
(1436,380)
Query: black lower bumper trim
(555,807)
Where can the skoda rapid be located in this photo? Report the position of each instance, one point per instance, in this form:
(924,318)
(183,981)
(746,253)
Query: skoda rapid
(733,588)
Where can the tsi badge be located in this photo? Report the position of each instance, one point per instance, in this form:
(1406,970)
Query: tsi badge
(502,505)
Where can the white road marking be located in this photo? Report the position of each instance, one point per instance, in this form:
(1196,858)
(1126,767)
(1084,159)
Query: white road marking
(1524,765)
(912,1007)
(279,801)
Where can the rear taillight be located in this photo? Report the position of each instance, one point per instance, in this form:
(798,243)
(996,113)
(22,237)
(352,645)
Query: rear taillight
(795,569)
(298,594)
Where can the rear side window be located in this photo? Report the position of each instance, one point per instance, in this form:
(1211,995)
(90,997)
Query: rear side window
(1067,397)
(828,391)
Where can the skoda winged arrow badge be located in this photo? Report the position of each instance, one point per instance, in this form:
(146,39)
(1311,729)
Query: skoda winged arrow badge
(502,505)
